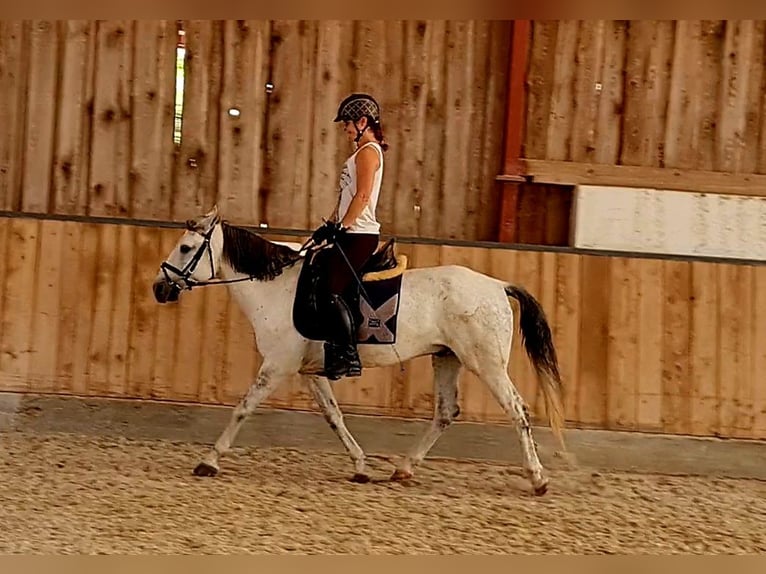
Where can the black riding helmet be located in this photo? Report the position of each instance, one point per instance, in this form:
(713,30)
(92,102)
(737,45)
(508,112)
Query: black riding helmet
(357,106)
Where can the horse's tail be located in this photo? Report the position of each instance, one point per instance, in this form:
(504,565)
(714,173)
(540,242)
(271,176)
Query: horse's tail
(538,342)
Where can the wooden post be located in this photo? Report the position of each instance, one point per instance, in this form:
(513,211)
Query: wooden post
(514,131)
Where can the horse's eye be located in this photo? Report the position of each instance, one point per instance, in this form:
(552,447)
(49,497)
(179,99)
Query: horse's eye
(185,249)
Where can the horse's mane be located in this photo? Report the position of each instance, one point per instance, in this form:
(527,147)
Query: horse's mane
(249,253)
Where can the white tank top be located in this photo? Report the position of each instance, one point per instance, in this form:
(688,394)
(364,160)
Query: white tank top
(367,221)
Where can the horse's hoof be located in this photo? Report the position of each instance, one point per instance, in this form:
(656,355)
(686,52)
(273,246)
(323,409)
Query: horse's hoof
(205,469)
(360,478)
(400,475)
(541,489)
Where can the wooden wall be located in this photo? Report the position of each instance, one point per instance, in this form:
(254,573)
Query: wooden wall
(87,114)
(685,94)
(645,344)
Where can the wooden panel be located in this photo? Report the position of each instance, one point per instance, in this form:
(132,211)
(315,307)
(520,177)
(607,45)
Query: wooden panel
(644,344)
(88,111)
(683,94)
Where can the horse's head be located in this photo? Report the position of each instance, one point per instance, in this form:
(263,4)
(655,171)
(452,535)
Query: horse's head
(195,257)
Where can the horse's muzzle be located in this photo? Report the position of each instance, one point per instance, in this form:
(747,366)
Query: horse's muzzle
(165,292)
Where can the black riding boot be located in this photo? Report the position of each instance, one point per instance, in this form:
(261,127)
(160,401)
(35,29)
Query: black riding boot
(341,357)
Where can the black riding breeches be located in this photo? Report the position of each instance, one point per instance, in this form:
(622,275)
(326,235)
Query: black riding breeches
(358,248)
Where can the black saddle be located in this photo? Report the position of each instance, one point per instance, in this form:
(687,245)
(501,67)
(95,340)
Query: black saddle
(308,307)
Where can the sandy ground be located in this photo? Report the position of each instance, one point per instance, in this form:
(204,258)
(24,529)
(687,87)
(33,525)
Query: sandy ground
(76,494)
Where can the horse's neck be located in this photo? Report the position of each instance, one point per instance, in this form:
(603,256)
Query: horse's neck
(257,298)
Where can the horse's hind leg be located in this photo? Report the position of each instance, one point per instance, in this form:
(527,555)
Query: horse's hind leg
(446,374)
(325,398)
(503,389)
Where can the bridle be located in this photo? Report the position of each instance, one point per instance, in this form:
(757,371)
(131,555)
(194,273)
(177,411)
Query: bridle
(188,270)
(186,273)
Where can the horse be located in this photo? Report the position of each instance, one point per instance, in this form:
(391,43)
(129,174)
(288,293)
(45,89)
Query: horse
(459,317)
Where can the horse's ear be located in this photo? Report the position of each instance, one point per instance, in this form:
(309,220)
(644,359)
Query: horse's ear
(213,214)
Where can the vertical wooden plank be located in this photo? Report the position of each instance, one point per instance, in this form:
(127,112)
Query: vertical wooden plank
(758,352)
(75,118)
(559,134)
(592,389)
(333,46)
(70,291)
(548,298)
(605,141)
(21,253)
(738,53)
(542,62)
(622,339)
(735,298)
(650,345)
(142,335)
(648,64)
(42,98)
(286,198)
(429,215)
(196,172)
(704,347)
(83,305)
(589,58)
(45,321)
(406,186)
(14,65)
(676,381)
(474,106)
(107,261)
(241,145)
(5,230)
(708,94)
(754,111)
(683,126)
(490,196)
(109,189)
(566,328)
(456,126)
(123,302)
(153,85)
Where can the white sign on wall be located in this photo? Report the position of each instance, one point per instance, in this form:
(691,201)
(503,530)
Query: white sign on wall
(669,222)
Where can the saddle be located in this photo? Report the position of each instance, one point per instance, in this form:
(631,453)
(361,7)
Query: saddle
(381,277)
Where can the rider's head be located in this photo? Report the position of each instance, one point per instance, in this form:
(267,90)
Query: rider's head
(360,112)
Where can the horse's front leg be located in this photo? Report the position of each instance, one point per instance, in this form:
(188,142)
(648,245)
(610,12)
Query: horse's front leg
(325,398)
(264,384)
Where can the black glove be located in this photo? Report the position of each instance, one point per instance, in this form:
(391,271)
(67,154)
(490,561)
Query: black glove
(329,231)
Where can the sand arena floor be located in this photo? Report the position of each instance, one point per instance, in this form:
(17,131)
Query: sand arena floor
(65,493)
